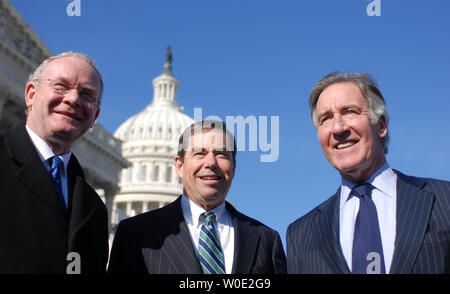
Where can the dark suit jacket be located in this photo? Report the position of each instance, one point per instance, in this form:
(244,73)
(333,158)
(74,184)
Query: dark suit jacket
(35,233)
(422,242)
(159,242)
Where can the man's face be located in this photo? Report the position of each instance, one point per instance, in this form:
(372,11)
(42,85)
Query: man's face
(207,169)
(60,119)
(349,140)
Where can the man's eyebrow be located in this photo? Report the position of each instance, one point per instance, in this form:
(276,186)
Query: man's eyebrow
(197,149)
(61,79)
(350,106)
(215,149)
(89,88)
(323,113)
(343,107)
(86,86)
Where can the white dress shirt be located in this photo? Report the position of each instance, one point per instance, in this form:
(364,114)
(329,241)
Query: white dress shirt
(384,195)
(225,229)
(45,153)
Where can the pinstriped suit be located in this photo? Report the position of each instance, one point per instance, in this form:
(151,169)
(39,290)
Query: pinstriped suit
(159,242)
(422,244)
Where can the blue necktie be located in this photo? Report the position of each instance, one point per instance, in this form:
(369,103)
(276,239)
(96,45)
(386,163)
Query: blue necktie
(367,255)
(56,167)
(209,248)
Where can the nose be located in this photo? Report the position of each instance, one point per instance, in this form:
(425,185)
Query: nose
(72,97)
(210,160)
(339,124)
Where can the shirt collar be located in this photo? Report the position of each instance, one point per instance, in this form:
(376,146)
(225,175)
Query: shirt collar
(44,151)
(384,180)
(192,212)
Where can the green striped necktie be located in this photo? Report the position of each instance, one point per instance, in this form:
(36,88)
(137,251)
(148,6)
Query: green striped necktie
(209,249)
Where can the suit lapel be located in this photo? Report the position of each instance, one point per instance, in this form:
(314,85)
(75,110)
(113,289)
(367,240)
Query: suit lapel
(82,204)
(179,249)
(32,172)
(246,241)
(413,212)
(326,230)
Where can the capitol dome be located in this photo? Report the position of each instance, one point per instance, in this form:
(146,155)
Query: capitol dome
(150,142)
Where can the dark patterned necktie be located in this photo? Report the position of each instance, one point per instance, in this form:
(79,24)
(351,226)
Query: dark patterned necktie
(56,167)
(367,254)
(209,248)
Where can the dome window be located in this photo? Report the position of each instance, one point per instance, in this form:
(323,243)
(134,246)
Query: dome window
(143,174)
(155,173)
(168,174)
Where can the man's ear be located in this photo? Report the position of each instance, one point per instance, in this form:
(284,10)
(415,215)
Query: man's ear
(30,93)
(95,117)
(382,127)
(179,166)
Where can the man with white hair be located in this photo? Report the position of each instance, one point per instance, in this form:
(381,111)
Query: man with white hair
(51,220)
(379,220)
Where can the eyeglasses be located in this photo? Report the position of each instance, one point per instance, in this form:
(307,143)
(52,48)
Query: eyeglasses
(61,87)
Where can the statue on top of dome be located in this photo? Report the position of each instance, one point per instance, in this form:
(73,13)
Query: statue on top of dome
(168,64)
(169,55)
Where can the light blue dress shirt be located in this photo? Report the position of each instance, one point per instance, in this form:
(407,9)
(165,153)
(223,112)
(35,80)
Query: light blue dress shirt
(45,153)
(384,195)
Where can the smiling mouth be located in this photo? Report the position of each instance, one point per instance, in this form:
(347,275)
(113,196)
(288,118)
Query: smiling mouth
(72,116)
(210,178)
(346,144)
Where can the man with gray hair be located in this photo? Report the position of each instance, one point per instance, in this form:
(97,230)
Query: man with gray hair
(379,220)
(51,220)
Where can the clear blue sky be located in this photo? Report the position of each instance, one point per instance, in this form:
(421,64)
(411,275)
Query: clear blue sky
(262,58)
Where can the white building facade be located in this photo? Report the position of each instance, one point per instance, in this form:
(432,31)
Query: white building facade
(132,170)
(150,143)
(21,51)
